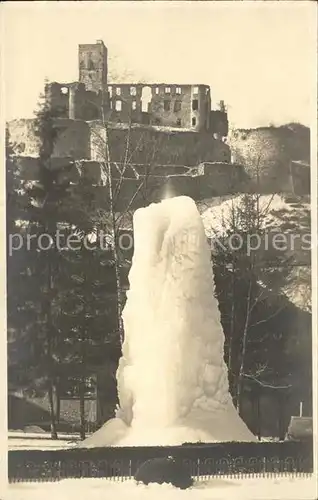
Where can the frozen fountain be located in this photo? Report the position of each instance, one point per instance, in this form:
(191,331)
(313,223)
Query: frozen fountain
(172,378)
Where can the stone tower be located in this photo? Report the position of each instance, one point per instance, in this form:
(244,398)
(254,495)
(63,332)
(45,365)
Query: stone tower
(93,66)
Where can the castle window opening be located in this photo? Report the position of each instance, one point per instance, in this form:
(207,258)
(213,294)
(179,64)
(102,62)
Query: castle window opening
(178,90)
(146,96)
(179,122)
(177,106)
(196,90)
(118,91)
(110,91)
(118,105)
(166,105)
(167,90)
(157,90)
(64,90)
(195,104)
(134,105)
(132,90)
(194,121)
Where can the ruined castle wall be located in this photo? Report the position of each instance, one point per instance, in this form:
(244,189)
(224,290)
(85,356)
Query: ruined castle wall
(150,146)
(92,62)
(170,105)
(218,179)
(22,137)
(162,170)
(125,102)
(73,138)
(72,100)
(143,193)
(29,168)
(207,181)
(87,105)
(57,95)
(219,123)
(300,178)
(267,153)
(170,108)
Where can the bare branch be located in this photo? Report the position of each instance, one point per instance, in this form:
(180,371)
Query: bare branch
(270,386)
(269,317)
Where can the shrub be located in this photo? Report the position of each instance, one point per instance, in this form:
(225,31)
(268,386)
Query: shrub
(164,470)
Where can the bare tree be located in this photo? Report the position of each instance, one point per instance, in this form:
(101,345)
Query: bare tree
(114,175)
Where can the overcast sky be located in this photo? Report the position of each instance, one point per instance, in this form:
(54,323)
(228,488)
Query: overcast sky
(259,57)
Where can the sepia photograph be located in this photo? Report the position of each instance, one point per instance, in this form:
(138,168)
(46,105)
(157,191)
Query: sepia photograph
(160,250)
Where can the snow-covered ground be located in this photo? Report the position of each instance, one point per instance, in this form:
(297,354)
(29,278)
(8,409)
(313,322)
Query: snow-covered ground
(278,213)
(257,488)
(19,440)
(215,212)
(40,435)
(39,444)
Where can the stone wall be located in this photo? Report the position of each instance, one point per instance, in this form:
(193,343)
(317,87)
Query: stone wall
(153,188)
(92,62)
(267,153)
(171,105)
(151,146)
(219,178)
(147,145)
(300,177)
(219,123)
(72,100)
(22,137)
(204,181)
(73,138)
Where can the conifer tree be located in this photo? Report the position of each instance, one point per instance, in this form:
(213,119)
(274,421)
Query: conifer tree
(249,289)
(44,213)
(87,287)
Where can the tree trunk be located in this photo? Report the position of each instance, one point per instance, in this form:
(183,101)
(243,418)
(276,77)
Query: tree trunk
(58,402)
(231,368)
(257,413)
(109,178)
(82,407)
(52,412)
(243,353)
(281,400)
(232,329)
(50,372)
(50,334)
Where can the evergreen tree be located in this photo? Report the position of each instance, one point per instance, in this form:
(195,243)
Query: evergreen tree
(35,294)
(248,286)
(87,286)
(20,308)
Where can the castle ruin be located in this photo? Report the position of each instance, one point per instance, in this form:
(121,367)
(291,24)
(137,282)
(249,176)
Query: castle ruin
(161,104)
(168,124)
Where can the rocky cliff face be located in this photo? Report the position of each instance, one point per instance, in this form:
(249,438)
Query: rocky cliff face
(267,153)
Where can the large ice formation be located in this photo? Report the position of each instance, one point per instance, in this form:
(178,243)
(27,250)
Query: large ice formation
(172,378)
